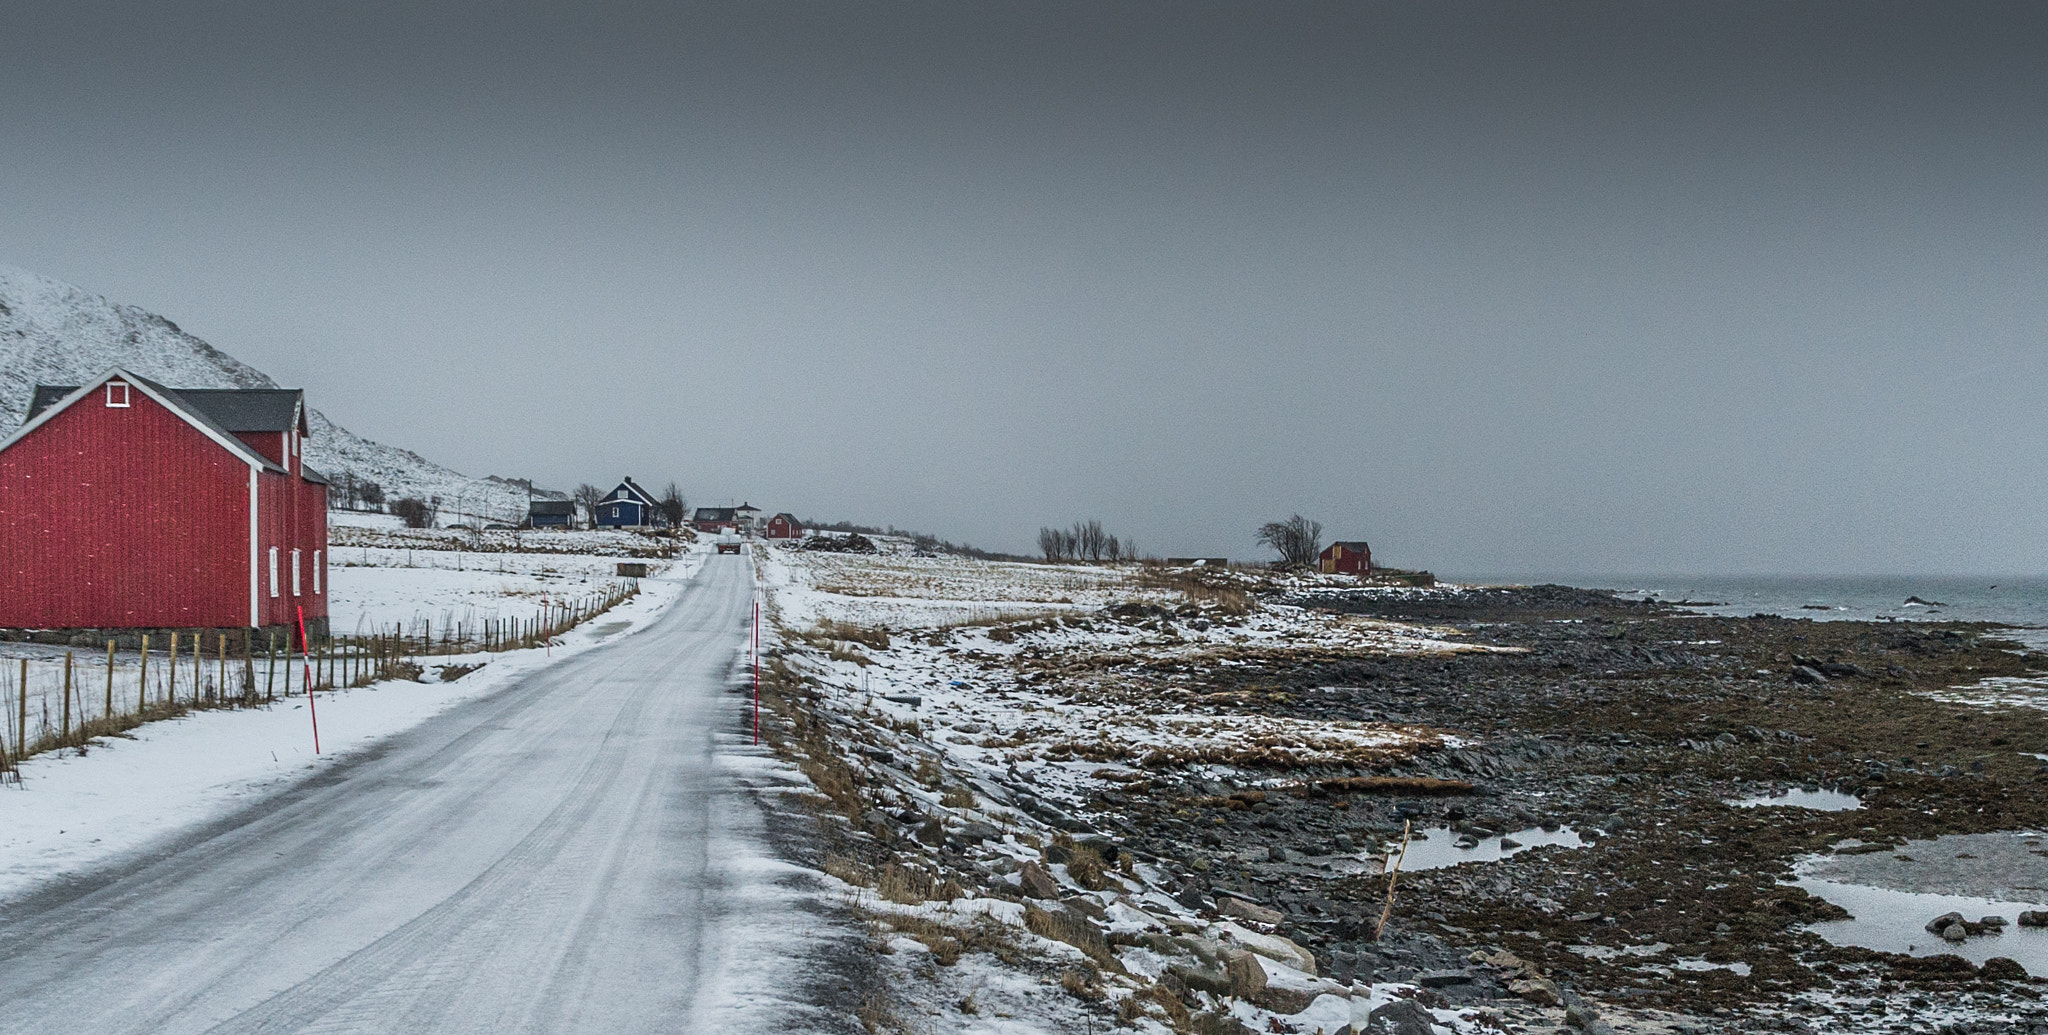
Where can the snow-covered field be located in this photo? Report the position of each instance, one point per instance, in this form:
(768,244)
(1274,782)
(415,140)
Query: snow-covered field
(71,811)
(980,699)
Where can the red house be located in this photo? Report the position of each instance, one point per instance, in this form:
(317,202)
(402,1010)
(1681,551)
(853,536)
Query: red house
(128,505)
(784,526)
(1346,559)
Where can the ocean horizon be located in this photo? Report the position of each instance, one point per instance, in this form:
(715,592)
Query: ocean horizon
(2017,601)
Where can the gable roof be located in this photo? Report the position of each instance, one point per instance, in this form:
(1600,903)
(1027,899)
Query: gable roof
(1354,545)
(235,409)
(790,516)
(551,508)
(640,495)
(168,398)
(713,514)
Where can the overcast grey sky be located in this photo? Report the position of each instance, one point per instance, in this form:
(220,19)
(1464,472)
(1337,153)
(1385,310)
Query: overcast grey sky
(1725,287)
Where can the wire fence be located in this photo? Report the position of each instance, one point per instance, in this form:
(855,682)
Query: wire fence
(62,703)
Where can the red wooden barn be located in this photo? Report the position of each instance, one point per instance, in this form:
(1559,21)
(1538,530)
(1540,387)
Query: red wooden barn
(1346,559)
(784,526)
(128,505)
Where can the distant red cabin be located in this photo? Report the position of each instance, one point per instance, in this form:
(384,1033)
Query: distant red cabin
(784,526)
(128,505)
(1346,559)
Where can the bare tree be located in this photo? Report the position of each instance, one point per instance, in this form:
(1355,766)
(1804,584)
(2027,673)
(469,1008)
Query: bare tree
(587,496)
(1091,539)
(371,493)
(1050,545)
(1296,539)
(673,506)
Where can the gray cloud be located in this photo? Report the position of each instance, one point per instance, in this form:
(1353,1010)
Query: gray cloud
(1501,287)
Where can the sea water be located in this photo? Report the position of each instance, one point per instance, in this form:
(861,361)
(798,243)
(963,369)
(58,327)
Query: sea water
(2021,602)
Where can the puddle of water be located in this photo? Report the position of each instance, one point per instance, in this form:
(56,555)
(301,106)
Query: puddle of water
(1608,952)
(1896,921)
(1436,848)
(1798,798)
(2001,867)
(1738,968)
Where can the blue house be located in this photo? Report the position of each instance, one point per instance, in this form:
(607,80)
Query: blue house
(551,514)
(629,506)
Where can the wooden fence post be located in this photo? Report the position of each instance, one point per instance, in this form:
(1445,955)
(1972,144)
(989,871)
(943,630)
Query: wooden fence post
(171,691)
(109,716)
(21,731)
(198,658)
(64,728)
(142,680)
(220,692)
(270,680)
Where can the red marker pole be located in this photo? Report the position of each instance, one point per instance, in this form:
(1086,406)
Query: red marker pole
(306,653)
(757,672)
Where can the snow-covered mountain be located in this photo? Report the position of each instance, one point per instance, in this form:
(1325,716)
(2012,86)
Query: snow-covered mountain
(53,333)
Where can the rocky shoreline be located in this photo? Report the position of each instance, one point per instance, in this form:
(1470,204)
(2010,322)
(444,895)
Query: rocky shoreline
(1635,723)
(1592,747)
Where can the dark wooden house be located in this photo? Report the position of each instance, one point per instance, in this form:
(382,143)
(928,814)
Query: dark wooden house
(558,514)
(629,506)
(1352,558)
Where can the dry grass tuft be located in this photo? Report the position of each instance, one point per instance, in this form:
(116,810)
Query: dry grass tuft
(1065,925)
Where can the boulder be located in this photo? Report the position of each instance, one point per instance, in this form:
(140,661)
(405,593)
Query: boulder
(1246,975)
(1037,882)
(2034,918)
(1242,910)
(2000,968)
(1443,978)
(1402,1017)
(1202,979)
(1940,923)
(1536,990)
(1803,674)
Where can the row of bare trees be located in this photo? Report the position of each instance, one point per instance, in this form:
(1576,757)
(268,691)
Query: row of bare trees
(1085,541)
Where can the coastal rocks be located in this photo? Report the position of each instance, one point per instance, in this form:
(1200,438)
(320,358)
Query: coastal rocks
(1403,1017)
(1952,927)
(2001,968)
(1541,991)
(1806,675)
(2034,918)
(1243,910)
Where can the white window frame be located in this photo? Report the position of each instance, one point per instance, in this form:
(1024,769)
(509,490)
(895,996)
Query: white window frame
(124,396)
(273,571)
(295,574)
(316,573)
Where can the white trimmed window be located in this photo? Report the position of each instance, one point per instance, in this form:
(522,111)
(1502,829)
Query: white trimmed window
(273,571)
(316,573)
(295,573)
(117,394)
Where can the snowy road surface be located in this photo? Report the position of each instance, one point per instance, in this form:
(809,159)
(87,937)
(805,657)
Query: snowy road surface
(574,853)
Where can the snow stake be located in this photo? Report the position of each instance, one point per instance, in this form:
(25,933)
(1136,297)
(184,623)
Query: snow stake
(757,671)
(306,652)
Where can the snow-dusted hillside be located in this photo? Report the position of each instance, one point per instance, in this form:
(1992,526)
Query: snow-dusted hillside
(54,333)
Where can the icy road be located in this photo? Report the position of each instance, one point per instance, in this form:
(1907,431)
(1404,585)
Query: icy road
(579,852)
